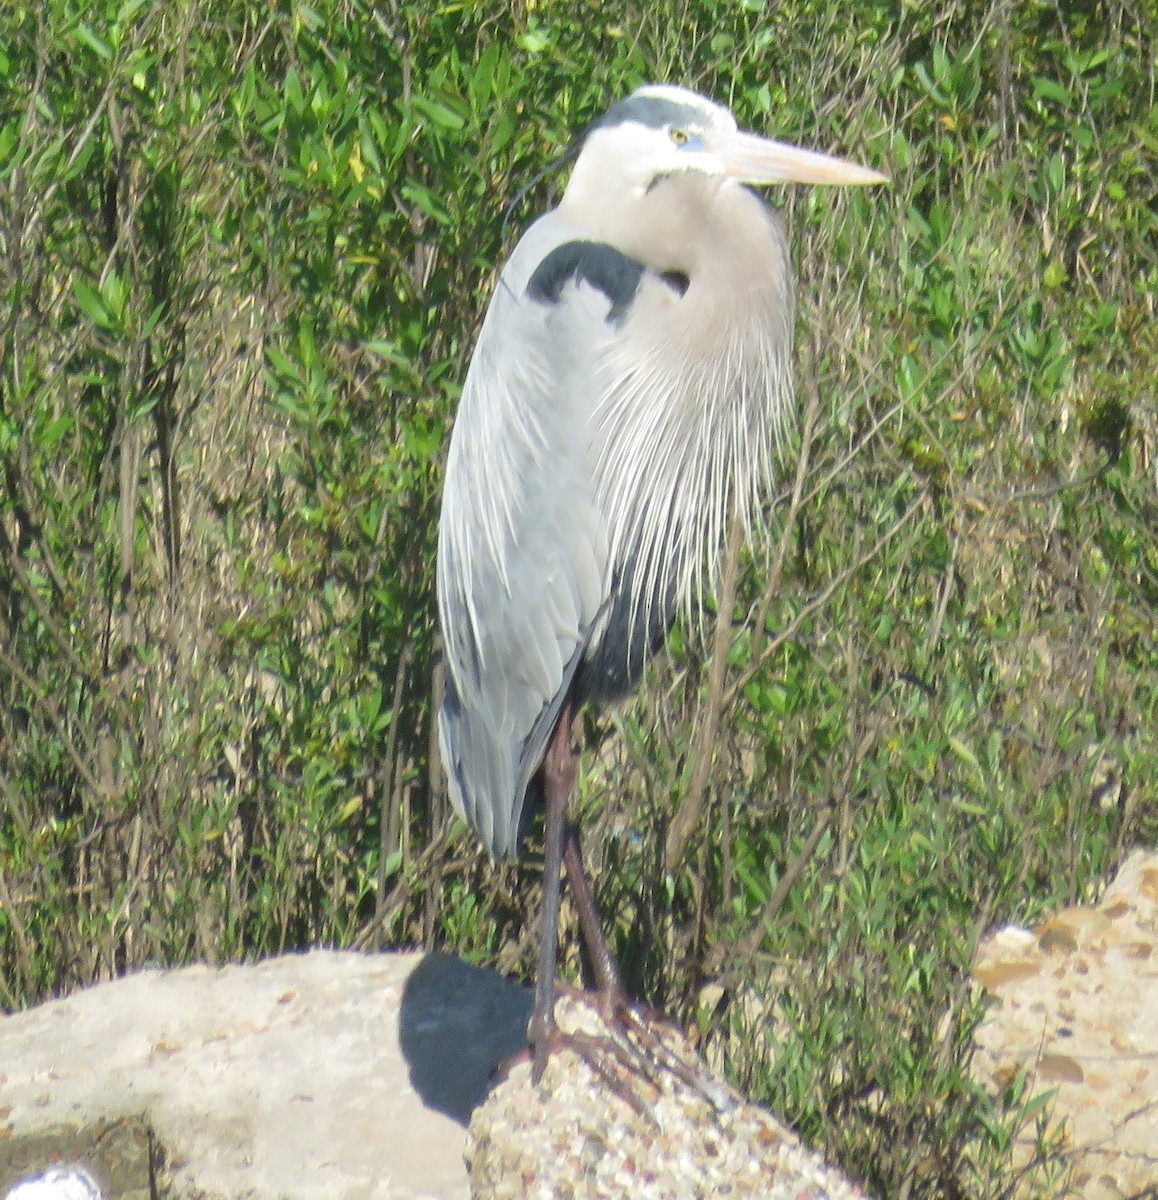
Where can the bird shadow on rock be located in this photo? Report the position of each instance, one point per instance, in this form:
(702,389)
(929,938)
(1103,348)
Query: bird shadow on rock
(457,1023)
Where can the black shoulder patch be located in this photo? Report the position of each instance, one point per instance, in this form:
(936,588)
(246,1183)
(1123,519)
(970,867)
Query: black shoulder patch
(596,263)
(676,280)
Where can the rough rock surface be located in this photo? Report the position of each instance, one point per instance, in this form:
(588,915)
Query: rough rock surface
(1078,1013)
(345,1075)
(672,1138)
(314,1075)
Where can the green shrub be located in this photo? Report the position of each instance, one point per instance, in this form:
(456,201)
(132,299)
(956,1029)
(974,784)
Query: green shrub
(245,251)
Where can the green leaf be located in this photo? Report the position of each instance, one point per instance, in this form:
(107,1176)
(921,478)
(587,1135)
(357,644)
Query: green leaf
(965,754)
(86,36)
(438,112)
(1048,89)
(91,302)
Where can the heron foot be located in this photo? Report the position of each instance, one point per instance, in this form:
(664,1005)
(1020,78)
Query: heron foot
(636,1052)
(612,1059)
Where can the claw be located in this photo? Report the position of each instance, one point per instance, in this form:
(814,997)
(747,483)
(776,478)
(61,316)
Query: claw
(631,1051)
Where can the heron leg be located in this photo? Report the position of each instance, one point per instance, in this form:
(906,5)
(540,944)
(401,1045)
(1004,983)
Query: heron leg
(635,1047)
(558,778)
(613,997)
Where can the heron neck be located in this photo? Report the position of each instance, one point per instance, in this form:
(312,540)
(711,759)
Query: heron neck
(686,223)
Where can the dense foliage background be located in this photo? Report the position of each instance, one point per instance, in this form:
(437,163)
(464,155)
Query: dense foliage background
(243,251)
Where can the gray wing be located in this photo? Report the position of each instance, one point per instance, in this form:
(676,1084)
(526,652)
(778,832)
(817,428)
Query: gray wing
(523,574)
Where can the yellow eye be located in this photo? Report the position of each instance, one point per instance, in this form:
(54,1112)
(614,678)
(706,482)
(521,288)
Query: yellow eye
(679,137)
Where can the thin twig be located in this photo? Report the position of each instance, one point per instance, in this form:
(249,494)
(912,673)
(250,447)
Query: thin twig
(688,814)
(50,710)
(387,829)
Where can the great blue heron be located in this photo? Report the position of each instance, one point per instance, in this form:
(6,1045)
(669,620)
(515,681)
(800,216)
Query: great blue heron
(625,401)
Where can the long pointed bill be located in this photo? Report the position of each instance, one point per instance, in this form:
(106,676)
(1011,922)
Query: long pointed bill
(753,159)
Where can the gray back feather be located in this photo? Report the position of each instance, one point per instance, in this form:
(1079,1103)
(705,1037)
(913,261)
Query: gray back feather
(614,418)
(522,557)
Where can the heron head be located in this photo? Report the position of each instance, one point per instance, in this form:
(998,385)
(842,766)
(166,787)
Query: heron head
(661,130)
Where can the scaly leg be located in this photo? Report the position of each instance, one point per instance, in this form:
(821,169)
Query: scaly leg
(638,1050)
(558,777)
(649,1053)
(612,997)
